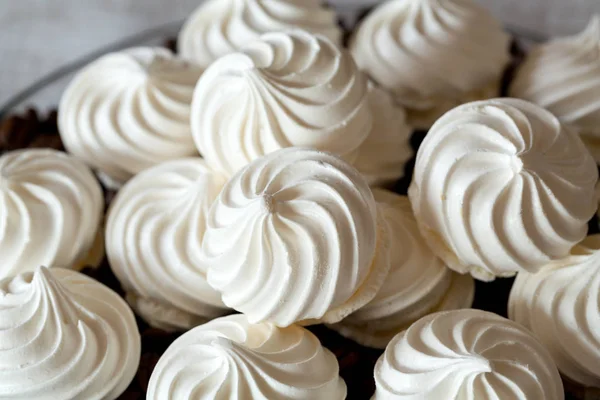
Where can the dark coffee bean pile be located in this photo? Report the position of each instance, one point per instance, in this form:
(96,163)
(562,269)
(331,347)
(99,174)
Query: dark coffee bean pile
(29,130)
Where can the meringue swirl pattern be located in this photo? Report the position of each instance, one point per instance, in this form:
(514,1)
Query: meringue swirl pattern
(561,306)
(382,157)
(563,76)
(466,355)
(432,54)
(291,238)
(500,186)
(220,27)
(418,282)
(64,336)
(230,359)
(128,111)
(287,89)
(50,212)
(154,234)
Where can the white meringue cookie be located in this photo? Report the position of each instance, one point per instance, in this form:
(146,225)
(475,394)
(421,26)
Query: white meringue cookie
(50,212)
(220,27)
(432,54)
(128,111)
(64,336)
(561,306)
(229,359)
(563,76)
(466,355)
(500,186)
(291,238)
(153,238)
(382,157)
(288,89)
(418,282)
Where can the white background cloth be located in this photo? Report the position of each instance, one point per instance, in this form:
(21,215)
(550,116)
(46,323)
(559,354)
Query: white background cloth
(39,36)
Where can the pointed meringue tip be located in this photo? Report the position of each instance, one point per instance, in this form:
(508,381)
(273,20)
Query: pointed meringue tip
(42,271)
(484,366)
(593,27)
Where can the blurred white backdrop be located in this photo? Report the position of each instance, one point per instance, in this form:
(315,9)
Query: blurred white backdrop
(39,36)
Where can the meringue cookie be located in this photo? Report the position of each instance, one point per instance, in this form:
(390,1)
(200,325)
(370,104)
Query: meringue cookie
(500,186)
(220,27)
(560,305)
(64,336)
(128,111)
(153,237)
(383,155)
(288,89)
(230,358)
(291,238)
(50,212)
(403,45)
(563,76)
(418,282)
(466,354)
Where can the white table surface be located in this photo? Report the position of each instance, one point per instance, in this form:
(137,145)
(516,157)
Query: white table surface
(39,36)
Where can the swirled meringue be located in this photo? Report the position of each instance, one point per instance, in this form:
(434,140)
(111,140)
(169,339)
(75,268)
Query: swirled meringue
(50,212)
(153,238)
(561,306)
(230,358)
(64,336)
(220,27)
(403,45)
(288,89)
(291,238)
(563,76)
(466,355)
(128,111)
(418,282)
(500,186)
(382,157)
